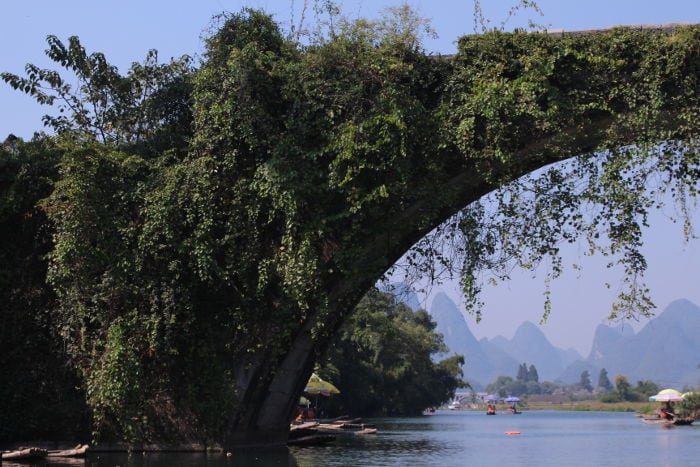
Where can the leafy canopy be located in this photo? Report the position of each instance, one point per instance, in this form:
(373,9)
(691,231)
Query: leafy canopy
(383,361)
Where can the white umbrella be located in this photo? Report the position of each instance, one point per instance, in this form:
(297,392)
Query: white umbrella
(665,398)
(667,395)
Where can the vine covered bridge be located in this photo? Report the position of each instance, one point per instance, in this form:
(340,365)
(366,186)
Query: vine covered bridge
(312,170)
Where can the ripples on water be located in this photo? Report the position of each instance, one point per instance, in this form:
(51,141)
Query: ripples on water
(462,438)
(546,439)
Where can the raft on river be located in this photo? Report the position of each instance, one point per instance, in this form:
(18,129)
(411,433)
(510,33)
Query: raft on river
(673,422)
(318,433)
(31,453)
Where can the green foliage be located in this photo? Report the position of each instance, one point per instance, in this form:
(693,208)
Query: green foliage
(585,381)
(522,372)
(526,382)
(131,332)
(623,387)
(505,386)
(646,388)
(603,380)
(527,374)
(611,397)
(690,405)
(624,392)
(382,361)
(116,384)
(532,374)
(38,396)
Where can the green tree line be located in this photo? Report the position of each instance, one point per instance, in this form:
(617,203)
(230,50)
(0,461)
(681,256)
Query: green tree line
(383,361)
(39,398)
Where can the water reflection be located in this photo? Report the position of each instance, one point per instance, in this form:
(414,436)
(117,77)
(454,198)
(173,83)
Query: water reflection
(464,438)
(280,457)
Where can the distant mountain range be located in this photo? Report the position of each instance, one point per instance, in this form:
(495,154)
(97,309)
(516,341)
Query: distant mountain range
(666,350)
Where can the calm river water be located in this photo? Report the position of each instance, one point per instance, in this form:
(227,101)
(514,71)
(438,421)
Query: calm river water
(464,438)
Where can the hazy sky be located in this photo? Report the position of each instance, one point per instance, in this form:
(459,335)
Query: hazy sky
(126,29)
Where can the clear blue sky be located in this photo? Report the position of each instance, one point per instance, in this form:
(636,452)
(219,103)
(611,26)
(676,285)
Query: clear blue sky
(125,30)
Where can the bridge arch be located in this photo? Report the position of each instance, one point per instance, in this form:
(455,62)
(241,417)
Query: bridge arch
(505,105)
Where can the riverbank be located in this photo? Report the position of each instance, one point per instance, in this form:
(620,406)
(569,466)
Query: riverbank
(577,406)
(103,447)
(594,406)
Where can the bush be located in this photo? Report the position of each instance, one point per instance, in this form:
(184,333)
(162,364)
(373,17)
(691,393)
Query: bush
(612,396)
(690,407)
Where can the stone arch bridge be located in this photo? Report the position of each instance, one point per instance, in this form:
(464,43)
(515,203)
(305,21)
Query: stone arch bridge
(437,134)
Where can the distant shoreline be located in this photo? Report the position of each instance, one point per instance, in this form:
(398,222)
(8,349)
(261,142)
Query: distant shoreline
(578,406)
(595,406)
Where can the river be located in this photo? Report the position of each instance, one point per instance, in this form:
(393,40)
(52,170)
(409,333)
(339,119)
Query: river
(465,438)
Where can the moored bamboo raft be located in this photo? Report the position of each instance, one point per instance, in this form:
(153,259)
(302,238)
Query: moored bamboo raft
(29,453)
(673,422)
(24,453)
(316,433)
(78,451)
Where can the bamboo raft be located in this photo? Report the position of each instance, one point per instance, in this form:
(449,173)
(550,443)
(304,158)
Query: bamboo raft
(24,454)
(317,433)
(32,453)
(665,422)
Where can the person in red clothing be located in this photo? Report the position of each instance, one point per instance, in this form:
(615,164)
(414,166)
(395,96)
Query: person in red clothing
(667,411)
